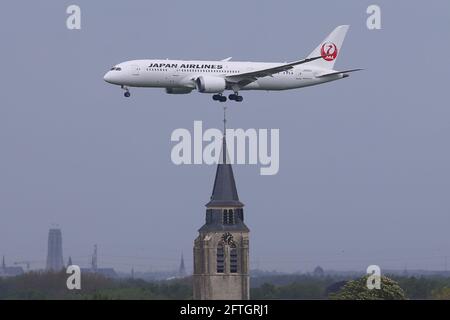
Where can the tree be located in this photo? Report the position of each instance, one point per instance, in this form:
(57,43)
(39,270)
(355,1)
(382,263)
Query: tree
(357,290)
(266,291)
(442,294)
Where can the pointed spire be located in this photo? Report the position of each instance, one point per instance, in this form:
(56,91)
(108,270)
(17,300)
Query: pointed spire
(69,263)
(224,192)
(3,263)
(182,269)
(94,260)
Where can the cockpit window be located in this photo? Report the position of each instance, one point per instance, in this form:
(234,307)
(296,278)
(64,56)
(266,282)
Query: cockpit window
(118,69)
(113,68)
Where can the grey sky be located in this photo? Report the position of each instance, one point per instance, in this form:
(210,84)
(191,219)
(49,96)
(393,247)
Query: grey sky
(364,162)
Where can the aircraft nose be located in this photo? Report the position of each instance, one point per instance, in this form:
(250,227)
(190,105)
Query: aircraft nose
(108,77)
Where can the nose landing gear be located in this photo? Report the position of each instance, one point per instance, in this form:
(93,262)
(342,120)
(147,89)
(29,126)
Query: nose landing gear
(127,93)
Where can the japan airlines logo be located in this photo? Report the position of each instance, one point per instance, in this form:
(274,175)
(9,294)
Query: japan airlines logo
(329,51)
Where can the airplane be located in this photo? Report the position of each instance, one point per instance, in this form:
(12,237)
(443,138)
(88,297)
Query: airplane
(214,77)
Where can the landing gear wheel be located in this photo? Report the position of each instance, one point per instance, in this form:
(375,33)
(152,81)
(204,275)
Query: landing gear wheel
(236,97)
(127,92)
(219,97)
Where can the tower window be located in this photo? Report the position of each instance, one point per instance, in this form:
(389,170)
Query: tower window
(233,260)
(240,214)
(220,259)
(228,216)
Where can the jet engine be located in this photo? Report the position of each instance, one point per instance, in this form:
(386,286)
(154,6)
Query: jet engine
(178,90)
(210,84)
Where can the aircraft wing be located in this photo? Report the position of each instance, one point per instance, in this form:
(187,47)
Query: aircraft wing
(337,72)
(245,78)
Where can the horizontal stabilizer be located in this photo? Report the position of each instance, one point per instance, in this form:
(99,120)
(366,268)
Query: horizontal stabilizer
(338,72)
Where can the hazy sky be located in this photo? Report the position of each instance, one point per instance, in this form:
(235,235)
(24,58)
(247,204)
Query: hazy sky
(364,162)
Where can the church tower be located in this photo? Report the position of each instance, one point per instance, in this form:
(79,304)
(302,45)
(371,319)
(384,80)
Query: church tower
(221,250)
(55,260)
(182,268)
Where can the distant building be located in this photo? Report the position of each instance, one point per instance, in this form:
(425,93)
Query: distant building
(182,270)
(221,250)
(106,272)
(54,251)
(9,271)
(94,259)
(318,272)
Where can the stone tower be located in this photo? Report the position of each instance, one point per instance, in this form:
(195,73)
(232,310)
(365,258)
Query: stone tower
(54,252)
(221,250)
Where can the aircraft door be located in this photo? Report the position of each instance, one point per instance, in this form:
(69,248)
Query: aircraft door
(305,74)
(135,70)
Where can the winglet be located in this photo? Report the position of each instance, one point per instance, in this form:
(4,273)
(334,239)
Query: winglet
(226,59)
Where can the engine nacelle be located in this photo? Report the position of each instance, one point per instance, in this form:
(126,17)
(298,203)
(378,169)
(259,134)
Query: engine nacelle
(210,84)
(178,90)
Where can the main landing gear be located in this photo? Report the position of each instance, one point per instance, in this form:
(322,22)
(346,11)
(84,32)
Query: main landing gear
(219,97)
(127,93)
(234,96)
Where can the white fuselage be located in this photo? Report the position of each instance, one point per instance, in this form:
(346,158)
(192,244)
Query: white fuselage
(182,74)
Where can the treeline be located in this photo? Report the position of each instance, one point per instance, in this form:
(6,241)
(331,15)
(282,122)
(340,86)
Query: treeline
(310,287)
(51,285)
(36,285)
(432,287)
